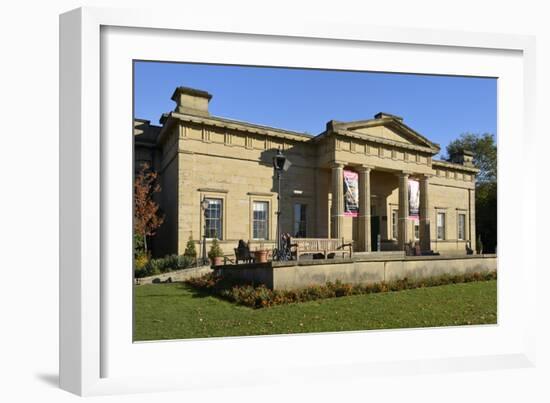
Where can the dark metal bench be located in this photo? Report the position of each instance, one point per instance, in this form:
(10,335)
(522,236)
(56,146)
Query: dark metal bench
(243,255)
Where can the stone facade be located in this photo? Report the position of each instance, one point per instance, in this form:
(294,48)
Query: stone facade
(202,156)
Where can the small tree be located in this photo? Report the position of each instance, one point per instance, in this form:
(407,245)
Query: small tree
(190,250)
(215,250)
(146,215)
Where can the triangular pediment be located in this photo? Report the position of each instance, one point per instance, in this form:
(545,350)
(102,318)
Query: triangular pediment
(387,130)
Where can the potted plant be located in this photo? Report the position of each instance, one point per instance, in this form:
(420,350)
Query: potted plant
(260,255)
(215,254)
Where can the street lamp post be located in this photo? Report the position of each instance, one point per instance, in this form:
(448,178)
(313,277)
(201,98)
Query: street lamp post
(280,164)
(204,207)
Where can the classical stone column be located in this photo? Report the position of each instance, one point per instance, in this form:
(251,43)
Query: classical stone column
(424,224)
(472,211)
(337,208)
(403,228)
(365,242)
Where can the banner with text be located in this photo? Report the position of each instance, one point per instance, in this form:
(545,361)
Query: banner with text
(351,193)
(414,199)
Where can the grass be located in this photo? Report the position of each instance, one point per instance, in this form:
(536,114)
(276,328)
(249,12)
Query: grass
(177,311)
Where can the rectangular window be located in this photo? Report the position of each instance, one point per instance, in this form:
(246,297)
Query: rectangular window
(441,226)
(462,226)
(260,221)
(300,223)
(416,231)
(394,224)
(213,217)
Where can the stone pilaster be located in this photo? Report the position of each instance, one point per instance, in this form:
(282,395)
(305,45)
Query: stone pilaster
(472,215)
(403,227)
(424,223)
(365,242)
(337,208)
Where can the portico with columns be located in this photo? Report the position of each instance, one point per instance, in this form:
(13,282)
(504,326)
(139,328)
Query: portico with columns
(361,232)
(387,155)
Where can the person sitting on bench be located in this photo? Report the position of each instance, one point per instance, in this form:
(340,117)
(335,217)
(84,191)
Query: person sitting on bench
(242,252)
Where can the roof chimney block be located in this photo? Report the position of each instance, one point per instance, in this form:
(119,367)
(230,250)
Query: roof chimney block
(464,157)
(191,101)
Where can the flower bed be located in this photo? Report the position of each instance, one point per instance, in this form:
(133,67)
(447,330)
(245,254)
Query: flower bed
(259,296)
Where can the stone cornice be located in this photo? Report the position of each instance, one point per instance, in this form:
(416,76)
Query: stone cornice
(218,122)
(452,165)
(190,91)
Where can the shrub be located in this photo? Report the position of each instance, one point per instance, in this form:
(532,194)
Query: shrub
(261,297)
(163,265)
(142,258)
(215,250)
(190,250)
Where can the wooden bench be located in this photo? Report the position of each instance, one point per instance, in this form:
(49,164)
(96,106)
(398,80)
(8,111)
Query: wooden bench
(300,246)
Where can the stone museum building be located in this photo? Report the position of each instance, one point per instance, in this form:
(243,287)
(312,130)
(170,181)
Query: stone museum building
(373,182)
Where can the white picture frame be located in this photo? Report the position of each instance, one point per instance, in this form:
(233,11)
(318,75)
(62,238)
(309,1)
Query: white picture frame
(96,355)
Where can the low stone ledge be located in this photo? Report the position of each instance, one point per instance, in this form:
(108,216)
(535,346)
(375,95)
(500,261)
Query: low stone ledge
(176,275)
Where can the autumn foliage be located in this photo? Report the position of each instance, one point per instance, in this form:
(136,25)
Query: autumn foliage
(147,218)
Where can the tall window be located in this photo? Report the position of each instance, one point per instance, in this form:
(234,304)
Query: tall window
(416,231)
(300,223)
(394,224)
(462,226)
(440,226)
(214,218)
(260,214)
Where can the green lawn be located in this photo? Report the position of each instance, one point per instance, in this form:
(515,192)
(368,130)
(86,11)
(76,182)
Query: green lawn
(176,311)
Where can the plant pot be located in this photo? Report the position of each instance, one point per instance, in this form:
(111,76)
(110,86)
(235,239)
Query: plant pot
(260,256)
(217,261)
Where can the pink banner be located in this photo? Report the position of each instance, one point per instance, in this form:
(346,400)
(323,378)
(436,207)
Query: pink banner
(414,199)
(351,193)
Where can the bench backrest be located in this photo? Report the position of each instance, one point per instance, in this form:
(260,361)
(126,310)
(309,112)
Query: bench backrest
(316,244)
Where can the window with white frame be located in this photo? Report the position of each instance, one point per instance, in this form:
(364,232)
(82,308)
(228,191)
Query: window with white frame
(260,220)
(300,221)
(440,226)
(461,226)
(416,231)
(213,217)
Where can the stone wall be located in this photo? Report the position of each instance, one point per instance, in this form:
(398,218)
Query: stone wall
(286,275)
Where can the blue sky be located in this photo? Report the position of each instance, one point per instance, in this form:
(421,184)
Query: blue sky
(439,107)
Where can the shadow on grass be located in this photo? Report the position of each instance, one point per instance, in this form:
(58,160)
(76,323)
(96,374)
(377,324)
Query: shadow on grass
(198,292)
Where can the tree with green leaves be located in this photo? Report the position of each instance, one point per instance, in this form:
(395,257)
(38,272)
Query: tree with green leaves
(484,149)
(485,153)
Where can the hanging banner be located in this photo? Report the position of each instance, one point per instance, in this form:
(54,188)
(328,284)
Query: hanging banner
(351,193)
(414,199)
